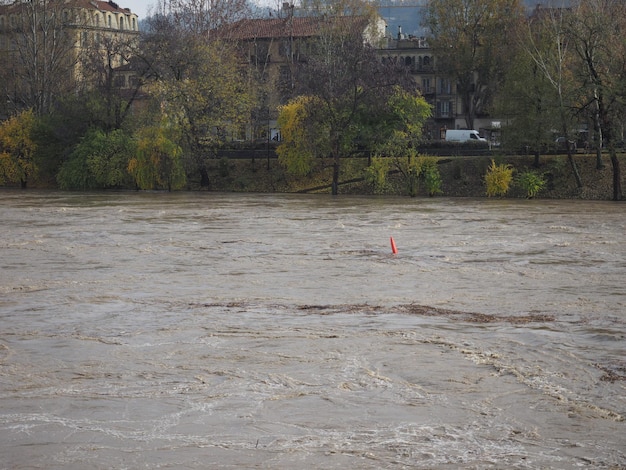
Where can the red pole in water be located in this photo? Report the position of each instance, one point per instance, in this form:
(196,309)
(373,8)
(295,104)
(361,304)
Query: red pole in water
(394,250)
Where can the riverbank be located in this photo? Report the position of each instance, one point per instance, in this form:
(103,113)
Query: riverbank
(461,177)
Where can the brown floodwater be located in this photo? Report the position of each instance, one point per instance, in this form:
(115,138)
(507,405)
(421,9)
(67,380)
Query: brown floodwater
(203,330)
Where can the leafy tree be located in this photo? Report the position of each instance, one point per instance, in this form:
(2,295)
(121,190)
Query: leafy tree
(17,149)
(349,83)
(472,41)
(158,162)
(303,138)
(198,78)
(99,161)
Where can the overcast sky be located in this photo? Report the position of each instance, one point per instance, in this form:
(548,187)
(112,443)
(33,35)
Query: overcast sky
(142,7)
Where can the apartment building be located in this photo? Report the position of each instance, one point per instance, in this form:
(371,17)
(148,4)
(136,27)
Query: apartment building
(44,43)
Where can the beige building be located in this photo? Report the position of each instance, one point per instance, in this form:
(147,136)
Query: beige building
(38,62)
(438,90)
(274,46)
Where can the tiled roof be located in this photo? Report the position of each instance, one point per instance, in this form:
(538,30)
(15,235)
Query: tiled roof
(284,27)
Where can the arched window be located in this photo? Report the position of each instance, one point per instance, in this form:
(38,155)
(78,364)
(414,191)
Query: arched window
(426,61)
(121,22)
(134,25)
(110,22)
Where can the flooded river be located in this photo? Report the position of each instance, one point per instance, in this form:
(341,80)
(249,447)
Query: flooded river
(230,331)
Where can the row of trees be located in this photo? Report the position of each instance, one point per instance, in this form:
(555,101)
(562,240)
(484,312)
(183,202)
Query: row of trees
(543,75)
(560,68)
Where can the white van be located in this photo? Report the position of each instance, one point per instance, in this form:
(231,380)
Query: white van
(463,135)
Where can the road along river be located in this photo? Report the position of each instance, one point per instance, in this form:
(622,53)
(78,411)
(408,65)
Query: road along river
(229,331)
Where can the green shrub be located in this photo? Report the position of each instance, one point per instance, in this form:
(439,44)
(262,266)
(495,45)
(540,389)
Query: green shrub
(498,179)
(531,183)
(376,174)
(430,175)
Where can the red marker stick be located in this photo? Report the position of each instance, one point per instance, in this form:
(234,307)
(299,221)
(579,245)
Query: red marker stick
(394,250)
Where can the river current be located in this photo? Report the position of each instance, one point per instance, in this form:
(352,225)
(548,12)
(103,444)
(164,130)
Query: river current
(230,331)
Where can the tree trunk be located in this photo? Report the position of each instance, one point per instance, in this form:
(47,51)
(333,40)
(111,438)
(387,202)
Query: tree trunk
(617,177)
(205,182)
(335,185)
(570,159)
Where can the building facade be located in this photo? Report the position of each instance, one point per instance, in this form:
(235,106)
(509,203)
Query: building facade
(49,46)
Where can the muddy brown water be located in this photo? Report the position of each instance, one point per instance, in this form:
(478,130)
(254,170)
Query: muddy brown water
(151,330)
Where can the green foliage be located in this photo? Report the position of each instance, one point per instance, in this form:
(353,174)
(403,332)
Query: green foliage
(531,182)
(409,113)
(303,137)
(99,161)
(17,148)
(498,179)
(157,164)
(204,94)
(423,170)
(376,174)
(430,175)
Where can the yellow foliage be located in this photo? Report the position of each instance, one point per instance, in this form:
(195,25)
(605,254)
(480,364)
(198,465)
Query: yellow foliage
(498,179)
(17,148)
(299,137)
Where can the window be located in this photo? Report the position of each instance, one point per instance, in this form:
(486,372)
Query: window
(110,23)
(443,109)
(445,87)
(426,85)
(121,22)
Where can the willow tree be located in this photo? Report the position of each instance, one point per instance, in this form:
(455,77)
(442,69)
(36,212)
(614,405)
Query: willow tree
(157,164)
(472,41)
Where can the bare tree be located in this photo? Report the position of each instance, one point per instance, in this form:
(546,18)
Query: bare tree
(44,56)
(547,43)
(111,69)
(594,27)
